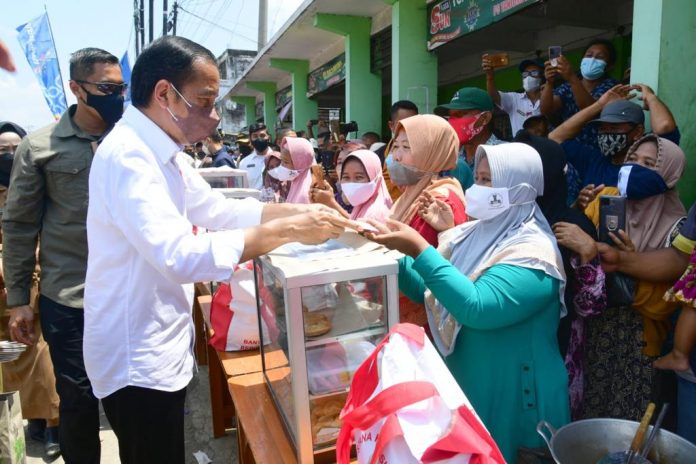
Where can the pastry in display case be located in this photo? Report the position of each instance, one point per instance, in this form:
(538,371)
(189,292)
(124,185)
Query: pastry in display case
(324,309)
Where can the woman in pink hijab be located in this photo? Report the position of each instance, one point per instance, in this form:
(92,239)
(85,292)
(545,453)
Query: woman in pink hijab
(296,156)
(362,187)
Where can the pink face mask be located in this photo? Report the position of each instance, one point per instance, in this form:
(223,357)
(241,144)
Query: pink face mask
(465,127)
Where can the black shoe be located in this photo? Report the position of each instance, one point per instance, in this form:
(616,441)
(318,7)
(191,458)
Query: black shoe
(51,446)
(36,429)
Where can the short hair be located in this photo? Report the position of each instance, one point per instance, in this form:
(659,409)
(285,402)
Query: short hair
(606,44)
(259,126)
(171,58)
(215,137)
(82,62)
(407,105)
(374,135)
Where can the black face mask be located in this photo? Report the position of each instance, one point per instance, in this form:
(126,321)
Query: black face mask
(260,145)
(6,159)
(109,107)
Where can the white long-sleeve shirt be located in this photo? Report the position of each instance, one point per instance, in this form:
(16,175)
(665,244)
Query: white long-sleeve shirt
(143,257)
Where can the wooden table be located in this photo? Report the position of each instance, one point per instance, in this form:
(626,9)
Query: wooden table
(266,441)
(222,365)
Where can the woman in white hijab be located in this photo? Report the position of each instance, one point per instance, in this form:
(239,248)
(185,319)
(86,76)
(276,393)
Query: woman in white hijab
(495,296)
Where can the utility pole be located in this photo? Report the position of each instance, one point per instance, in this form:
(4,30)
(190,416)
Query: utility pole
(164,17)
(142,24)
(152,20)
(136,20)
(176,12)
(263,23)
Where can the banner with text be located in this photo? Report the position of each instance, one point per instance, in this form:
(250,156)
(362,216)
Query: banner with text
(327,75)
(450,19)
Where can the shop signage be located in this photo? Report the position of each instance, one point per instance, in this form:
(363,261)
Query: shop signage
(449,19)
(283,96)
(327,75)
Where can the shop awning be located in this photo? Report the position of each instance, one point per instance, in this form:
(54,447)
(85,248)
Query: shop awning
(299,39)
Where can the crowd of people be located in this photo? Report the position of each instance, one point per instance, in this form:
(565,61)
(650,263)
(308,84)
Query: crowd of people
(540,309)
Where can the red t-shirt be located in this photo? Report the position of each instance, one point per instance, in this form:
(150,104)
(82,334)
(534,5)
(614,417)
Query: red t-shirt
(427,231)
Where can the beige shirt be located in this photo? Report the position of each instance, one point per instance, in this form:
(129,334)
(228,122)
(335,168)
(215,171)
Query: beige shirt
(47,200)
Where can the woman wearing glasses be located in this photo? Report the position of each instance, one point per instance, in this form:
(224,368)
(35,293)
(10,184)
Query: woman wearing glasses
(518,105)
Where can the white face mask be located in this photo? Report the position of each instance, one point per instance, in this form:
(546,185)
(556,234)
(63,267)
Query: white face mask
(358,193)
(284,174)
(206,150)
(531,83)
(485,203)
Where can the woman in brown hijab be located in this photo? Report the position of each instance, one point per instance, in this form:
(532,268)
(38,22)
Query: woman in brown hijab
(424,146)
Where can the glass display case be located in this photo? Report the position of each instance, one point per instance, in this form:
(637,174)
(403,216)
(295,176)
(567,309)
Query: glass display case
(225,177)
(319,320)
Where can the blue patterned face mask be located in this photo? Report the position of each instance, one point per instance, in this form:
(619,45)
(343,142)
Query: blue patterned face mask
(592,68)
(637,182)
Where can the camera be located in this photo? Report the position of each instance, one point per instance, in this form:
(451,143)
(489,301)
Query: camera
(347,127)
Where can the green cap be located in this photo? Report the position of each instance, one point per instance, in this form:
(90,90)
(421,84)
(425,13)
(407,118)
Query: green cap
(468,98)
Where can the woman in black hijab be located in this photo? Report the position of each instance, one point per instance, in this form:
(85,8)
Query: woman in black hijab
(586,289)
(10,135)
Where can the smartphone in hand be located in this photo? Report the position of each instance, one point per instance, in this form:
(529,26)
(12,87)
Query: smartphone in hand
(555,52)
(499,60)
(612,217)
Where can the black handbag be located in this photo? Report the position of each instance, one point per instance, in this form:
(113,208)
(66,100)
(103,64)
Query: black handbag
(621,290)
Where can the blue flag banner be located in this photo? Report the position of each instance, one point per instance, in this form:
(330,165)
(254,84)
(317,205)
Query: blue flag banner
(36,40)
(126,72)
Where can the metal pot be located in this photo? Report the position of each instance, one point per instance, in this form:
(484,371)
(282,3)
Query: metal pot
(588,441)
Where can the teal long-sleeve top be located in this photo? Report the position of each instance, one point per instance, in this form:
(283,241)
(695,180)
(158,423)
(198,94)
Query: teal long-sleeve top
(506,357)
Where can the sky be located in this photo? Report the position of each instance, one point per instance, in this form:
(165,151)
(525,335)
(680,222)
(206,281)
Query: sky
(109,25)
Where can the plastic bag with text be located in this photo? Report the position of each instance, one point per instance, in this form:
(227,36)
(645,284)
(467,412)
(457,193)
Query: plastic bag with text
(404,407)
(233,315)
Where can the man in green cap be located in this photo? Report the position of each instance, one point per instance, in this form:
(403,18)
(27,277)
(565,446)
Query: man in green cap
(470,113)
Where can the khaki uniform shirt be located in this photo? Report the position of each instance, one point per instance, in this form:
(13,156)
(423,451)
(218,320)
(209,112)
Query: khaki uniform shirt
(47,200)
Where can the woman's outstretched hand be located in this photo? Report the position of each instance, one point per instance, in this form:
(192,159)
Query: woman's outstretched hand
(396,235)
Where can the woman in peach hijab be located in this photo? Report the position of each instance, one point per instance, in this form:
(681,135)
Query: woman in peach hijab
(296,157)
(425,145)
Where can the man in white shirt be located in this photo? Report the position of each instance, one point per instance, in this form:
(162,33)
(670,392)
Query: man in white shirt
(254,164)
(144,256)
(518,105)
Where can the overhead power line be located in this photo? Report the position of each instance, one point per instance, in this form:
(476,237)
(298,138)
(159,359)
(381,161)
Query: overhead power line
(231,31)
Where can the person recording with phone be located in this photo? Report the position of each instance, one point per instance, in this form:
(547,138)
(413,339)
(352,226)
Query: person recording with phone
(518,105)
(579,90)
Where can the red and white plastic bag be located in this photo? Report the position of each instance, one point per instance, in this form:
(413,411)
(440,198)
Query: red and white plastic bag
(404,407)
(233,315)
